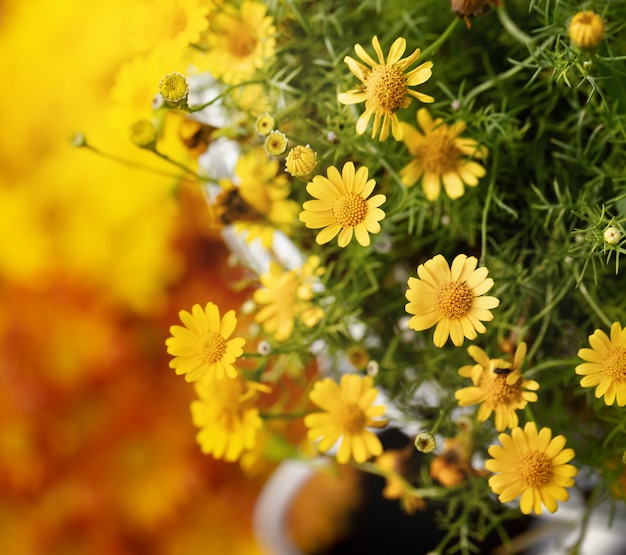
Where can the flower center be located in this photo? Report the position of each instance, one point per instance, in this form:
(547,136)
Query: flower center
(212,347)
(535,469)
(352,418)
(439,153)
(350,210)
(385,87)
(615,365)
(241,43)
(499,391)
(453,300)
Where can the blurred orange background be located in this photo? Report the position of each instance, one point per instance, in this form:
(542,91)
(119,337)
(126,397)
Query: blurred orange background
(97,450)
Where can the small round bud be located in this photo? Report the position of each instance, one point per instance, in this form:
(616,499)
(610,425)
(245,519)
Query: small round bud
(456,104)
(78,140)
(143,133)
(301,161)
(264,124)
(276,143)
(264,348)
(358,357)
(174,89)
(248,307)
(612,235)
(372,368)
(425,442)
(586,30)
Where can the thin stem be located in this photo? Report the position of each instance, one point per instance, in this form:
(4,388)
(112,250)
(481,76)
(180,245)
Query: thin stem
(592,303)
(510,26)
(443,38)
(129,163)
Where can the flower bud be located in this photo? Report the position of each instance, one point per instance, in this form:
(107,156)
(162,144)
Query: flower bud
(276,143)
(301,161)
(612,235)
(264,124)
(586,30)
(425,442)
(174,89)
(143,134)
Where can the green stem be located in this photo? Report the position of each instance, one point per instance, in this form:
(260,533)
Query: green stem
(129,163)
(510,26)
(592,303)
(283,415)
(443,38)
(180,165)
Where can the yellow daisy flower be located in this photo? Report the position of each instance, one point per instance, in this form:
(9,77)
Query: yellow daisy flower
(201,348)
(342,206)
(348,411)
(498,386)
(385,87)
(265,193)
(240,42)
(287,297)
(440,155)
(531,464)
(605,365)
(450,297)
(228,419)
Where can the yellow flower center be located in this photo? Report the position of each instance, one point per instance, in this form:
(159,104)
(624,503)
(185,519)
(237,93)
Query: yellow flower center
(439,153)
(453,300)
(535,469)
(352,418)
(174,87)
(350,210)
(241,43)
(385,87)
(500,392)
(213,347)
(615,365)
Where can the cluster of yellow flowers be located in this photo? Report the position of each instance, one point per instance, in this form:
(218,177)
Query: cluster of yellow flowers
(529,463)
(222,119)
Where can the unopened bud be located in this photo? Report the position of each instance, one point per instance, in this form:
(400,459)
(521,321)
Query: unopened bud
(301,161)
(612,235)
(586,29)
(174,89)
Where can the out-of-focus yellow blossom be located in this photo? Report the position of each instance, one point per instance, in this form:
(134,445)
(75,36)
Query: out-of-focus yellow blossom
(167,24)
(228,419)
(287,297)
(240,42)
(267,193)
